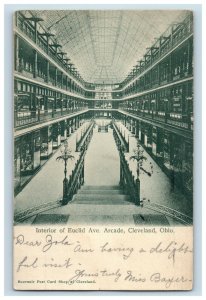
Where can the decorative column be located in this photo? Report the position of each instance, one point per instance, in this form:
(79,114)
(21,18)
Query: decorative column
(65,155)
(62,80)
(47,71)
(55,101)
(35,20)
(172,35)
(137,198)
(190,56)
(56,76)
(16,52)
(47,35)
(35,31)
(35,63)
(66,83)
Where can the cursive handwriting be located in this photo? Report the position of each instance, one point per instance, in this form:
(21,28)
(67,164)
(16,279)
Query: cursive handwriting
(24,263)
(80,274)
(168,281)
(51,242)
(76,274)
(131,277)
(79,248)
(115,274)
(20,240)
(52,264)
(31,263)
(127,251)
(172,248)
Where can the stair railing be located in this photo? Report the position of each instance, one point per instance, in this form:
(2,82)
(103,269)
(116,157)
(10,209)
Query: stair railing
(121,137)
(84,137)
(128,183)
(76,179)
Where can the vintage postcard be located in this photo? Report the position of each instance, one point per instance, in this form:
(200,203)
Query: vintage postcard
(103,150)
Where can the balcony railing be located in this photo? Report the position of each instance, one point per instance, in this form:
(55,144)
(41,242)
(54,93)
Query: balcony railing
(39,116)
(152,85)
(29,31)
(176,37)
(173,119)
(41,77)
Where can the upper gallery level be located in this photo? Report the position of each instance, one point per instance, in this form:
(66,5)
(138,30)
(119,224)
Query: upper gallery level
(47,85)
(39,56)
(173,38)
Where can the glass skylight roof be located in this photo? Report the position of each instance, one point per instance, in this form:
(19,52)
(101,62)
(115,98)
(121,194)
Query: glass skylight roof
(104,45)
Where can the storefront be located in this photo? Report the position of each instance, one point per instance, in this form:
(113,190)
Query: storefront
(56,135)
(46,142)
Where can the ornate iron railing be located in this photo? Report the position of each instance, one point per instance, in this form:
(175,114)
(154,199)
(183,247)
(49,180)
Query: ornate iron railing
(128,183)
(184,122)
(83,138)
(25,214)
(38,116)
(120,137)
(76,179)
(170,212)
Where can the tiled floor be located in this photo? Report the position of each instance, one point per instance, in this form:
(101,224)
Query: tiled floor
(102,160)
(46,185)
(101,168)
(157,188)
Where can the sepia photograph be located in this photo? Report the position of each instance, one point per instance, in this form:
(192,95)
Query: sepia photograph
(103,147)
(103,117)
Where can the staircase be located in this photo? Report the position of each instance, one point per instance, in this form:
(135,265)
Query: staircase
(101,195)
(100,205)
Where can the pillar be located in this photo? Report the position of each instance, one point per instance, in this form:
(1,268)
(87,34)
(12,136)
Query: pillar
(145,136)
(16,52)
(160,142)
(47,45)
(66,83)
(154,140)
(35,63)
(55,76)
(35,31)
(55,101)
(62,80)
(139,137)
(47,71)
(17,163)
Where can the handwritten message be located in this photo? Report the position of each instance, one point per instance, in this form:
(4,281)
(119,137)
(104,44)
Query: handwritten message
(103,258)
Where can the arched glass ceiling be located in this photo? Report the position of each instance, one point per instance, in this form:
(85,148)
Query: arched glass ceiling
(104,45)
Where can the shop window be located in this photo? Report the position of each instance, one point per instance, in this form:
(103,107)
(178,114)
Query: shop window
(24,87)
(17,164)
(26,155)
(36,142)
(166,155)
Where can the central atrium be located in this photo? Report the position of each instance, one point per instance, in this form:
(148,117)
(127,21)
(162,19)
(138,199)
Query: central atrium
(103,117)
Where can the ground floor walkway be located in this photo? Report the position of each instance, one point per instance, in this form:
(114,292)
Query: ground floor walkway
(157,188)
(102,160)
(46,185)
(102,168)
